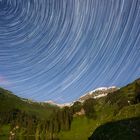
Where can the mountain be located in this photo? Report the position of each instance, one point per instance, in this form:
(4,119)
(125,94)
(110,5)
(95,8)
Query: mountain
(120,108)
(101,111)
(59,105)
(97,93)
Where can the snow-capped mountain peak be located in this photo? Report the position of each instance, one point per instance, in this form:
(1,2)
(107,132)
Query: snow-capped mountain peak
(103,88)
(98,92)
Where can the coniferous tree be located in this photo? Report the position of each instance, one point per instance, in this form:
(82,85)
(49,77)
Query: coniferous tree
(89,108)
(137,91)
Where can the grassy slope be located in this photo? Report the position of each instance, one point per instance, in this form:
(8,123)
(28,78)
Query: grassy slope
(108,109)
(8,102)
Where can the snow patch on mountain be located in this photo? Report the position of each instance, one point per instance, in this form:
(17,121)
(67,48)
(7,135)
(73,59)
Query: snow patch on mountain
(102,89)
(98,93)
(59,105)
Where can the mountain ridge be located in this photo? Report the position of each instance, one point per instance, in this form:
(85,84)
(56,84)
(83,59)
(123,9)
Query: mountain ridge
(98,93)
(82,98)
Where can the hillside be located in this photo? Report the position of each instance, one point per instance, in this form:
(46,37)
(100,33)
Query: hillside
(25,117)
(82,120)
(116,106)
(9,101)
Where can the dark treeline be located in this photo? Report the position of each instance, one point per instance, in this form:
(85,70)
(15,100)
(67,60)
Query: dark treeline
(23,123)
(137,91)
(27,124)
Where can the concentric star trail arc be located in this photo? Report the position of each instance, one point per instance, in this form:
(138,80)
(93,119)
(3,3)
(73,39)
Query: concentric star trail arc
(59,49)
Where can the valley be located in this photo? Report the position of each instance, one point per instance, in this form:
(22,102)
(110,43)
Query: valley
(86,118)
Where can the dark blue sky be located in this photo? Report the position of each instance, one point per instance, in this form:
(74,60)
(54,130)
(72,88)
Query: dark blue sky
(60,49)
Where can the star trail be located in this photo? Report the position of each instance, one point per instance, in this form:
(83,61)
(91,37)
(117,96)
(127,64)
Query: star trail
(59,49)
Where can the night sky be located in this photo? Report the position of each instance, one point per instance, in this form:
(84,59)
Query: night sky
(59,49)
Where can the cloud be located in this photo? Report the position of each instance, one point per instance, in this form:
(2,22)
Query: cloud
(59,99)
(4,81)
